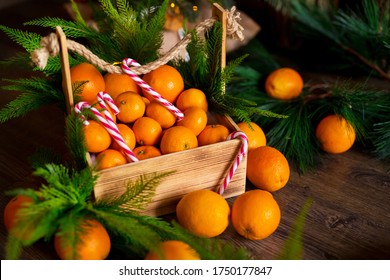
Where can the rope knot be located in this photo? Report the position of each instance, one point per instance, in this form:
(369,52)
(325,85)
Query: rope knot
(233,28)
(49,47)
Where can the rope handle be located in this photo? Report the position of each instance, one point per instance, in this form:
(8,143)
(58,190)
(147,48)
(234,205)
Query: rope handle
(51,47)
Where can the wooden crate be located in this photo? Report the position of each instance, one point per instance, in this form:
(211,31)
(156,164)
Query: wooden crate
(200,168)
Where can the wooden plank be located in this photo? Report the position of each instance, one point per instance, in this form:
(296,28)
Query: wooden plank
(65,70)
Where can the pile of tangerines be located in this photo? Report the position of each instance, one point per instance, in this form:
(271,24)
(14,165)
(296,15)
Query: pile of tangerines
(151,130)
(148,128)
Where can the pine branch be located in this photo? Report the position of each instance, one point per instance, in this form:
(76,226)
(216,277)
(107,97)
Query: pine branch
(28,40)
(293,246)
(74,140)
(381,140)
(35,93)
(132,234)
(70,28)
(137,195)
(363,35)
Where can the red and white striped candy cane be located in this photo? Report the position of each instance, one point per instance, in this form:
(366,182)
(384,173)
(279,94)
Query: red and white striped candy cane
(108,124)
(126,63)
(237,161)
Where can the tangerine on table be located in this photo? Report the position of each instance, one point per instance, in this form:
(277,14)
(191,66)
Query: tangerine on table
(192,97)
(161,114)
(92,242)
(172,250)
(255,134)
(195,119)
(284,84)
(213,133)
(130,105)
(203,212)
(255,214)
(335,134)
(147,131)
(127,135)
(94,81)
(97,138)
(118,83)
(176,139)
(165,80)
(109,158)
(267,168)
(145,152)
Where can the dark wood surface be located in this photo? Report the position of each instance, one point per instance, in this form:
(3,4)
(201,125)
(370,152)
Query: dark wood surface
(349,217)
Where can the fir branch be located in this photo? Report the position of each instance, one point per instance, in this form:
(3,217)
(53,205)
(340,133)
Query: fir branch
(293,246)
(362,35)
(28,40)
(43,156)
(135,236)
(36,92)
(381,140)
(203,71)
(71,29)
(292,136)
(137,195)
(295,136)
(20,60)
(74,140)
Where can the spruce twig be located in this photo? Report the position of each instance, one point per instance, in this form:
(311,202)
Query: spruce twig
(362,33)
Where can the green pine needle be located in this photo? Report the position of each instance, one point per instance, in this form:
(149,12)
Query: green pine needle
(35,93)
(293,246)
(137,195)
(357,36)
(203,71)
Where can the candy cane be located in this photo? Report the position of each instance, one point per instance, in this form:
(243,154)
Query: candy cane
(107,122)
(237,161)
(131,62)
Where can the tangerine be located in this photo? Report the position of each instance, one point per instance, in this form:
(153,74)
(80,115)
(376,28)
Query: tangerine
(119,83)
(172,250)
(109,158)
(213,133)
(147,131)
(176,139)
(12,208)
(94,81)
(130,105)
(335,134)
(267,168)
(161,114)
(195,119)
(203,212)
(145,152)
(255,134)
(91,239)
(97,138)
(192,97)
(127,135)
(255,214)
(284,84)
(165,80)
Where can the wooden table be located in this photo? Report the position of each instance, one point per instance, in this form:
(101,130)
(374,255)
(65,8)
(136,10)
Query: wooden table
(349,217)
